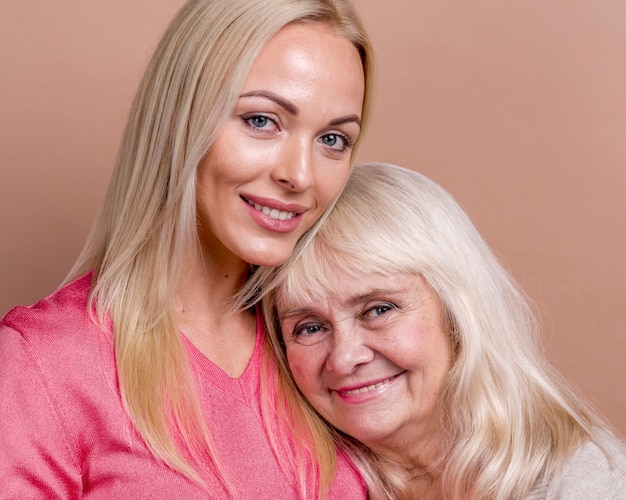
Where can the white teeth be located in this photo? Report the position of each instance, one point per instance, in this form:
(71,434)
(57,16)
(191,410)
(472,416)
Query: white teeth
(369,387)
(272,212)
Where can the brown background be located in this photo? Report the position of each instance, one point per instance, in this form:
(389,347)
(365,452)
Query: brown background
(517,107)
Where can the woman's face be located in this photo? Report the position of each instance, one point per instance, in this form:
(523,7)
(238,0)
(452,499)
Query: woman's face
(371,358)
(284,153)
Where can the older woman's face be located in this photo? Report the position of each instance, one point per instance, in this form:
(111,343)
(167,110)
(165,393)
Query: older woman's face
(284,154)
(371,358)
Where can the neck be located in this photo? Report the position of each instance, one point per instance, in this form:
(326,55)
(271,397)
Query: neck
(424,477)
(209,283)
(422,458)
(204,312)
(426,487)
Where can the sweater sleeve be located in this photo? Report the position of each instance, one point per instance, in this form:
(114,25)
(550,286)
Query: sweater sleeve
(593,473)
(36,460)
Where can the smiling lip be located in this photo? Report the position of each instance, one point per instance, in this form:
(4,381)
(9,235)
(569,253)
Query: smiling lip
(274,216)
(274,209)
(274,213)
(363,389)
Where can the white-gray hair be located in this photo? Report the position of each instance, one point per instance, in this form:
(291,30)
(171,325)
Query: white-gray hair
(509,417)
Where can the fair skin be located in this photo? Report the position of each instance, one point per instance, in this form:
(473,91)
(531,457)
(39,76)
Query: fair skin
(279,161)
(371,359)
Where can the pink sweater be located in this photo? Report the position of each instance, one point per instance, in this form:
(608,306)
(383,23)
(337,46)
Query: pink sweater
(65,433)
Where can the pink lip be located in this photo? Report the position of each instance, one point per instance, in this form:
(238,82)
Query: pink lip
(278,205)
(367,390)
(272,224)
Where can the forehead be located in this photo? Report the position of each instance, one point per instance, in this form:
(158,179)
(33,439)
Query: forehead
(308,39)
(304,54)
(345,289)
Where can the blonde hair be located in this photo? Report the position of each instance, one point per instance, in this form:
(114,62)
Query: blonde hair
(510,420)
(147,225)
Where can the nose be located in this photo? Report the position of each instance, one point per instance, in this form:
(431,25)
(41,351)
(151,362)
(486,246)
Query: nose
(294,168)
(349,350)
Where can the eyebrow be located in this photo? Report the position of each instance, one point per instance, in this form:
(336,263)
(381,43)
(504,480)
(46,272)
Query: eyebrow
(345,119)
(293,109)
(296,312)
(376,293)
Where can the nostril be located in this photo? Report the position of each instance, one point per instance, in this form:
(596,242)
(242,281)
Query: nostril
(288,184)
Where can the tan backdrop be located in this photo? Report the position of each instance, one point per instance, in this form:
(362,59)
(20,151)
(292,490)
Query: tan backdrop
(518,108)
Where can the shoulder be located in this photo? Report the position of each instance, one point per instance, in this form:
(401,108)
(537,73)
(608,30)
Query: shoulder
(54,334)
(62,314)
(58,386)
(65,304)
(597,470)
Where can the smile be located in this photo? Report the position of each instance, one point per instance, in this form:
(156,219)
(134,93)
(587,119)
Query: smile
(272,212)
(368,388)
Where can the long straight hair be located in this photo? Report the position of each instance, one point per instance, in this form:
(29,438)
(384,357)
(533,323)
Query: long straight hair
(509,419)
(147,225)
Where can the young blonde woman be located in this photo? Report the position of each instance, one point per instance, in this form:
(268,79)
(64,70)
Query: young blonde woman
(137,378)
(404,332)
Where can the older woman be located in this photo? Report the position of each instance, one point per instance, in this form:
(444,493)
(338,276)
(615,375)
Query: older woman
(404,332)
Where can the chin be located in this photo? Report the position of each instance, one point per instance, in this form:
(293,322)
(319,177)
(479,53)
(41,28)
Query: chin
(258,259)
(269,254)
(266,263)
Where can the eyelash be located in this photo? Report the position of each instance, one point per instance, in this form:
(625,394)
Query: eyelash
(387,306)
(248,120)
(298,331)
(367,314)
(348,143)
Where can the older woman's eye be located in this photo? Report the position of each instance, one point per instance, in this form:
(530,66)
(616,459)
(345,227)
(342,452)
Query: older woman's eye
(307,329)
(308,333)
(379,310)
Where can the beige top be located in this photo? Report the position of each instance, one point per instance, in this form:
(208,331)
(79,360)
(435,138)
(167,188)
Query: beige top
(590,474)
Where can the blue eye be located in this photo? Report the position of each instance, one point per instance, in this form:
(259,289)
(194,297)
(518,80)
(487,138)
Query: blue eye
(308,333)
(308,329)
(259,122)
(330,140)
(336,141)
(379,310)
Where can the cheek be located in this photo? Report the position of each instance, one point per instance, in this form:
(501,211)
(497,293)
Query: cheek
(233,156)
(304,367)
(329,186)
(438,365)
(245,157)
(221,162)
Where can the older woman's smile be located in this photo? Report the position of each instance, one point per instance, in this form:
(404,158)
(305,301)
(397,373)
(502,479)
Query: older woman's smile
(366,388)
